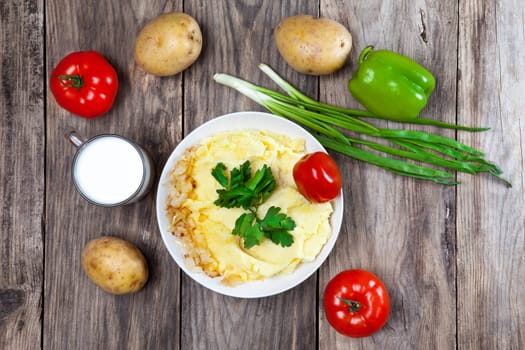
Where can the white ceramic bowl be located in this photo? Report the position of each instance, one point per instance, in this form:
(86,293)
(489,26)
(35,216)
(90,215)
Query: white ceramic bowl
(236,121)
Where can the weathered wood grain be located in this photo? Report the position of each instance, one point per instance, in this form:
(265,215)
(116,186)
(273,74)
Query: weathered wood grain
(451,257)
(77,314)
(401,229)
(22,145)
(238,36)
(491,218)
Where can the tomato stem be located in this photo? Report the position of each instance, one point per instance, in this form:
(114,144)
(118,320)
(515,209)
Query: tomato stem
(353,306)
(75,81)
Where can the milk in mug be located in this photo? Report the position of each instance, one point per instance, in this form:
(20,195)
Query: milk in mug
(110,170)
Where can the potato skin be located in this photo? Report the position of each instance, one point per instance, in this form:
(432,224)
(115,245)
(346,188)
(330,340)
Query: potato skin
(314,46)
(168,44)
(115,265)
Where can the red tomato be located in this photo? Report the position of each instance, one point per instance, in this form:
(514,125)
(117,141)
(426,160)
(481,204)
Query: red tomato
(317,177)
(84,83)
(356,303)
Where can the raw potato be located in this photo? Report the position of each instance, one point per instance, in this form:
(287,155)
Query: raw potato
(168,44)
(314,46)
(115,265)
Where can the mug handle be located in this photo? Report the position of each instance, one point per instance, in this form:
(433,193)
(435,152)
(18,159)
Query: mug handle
(74,138)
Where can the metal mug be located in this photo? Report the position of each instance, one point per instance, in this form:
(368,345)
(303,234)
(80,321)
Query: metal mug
(110,170)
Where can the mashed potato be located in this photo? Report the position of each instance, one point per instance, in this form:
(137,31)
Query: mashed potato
(204,229)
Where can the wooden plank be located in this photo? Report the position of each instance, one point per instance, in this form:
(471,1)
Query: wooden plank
(79,315)
(398,228)
(21,174)
(491,218)
(238,36)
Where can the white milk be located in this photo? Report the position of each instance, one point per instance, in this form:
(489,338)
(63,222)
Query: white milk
(108,170)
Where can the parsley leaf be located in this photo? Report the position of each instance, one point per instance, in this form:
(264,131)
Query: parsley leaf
(262,183)
(254,236)
(274,220)
(238,176)
(248,229)
(243,223)
(282,237)
(276,226)
(241,190)
(218,174)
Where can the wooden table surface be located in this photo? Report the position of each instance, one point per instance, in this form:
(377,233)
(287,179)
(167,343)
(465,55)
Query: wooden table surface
(452,258)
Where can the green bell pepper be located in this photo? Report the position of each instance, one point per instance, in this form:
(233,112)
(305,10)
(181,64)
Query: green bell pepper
(391,85)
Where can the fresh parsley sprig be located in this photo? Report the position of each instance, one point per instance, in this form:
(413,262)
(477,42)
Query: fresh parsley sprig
(242,190)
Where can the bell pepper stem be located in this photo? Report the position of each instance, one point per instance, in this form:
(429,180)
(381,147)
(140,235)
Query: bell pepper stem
(364,53)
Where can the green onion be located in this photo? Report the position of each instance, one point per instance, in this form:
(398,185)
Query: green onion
(302,99)
(329,124)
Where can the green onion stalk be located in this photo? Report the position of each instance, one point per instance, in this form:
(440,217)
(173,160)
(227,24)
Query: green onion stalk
(434,157)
